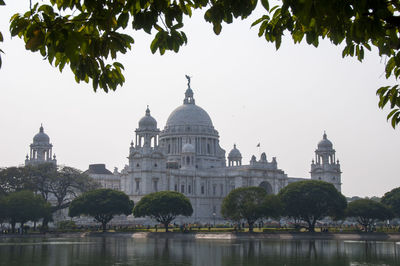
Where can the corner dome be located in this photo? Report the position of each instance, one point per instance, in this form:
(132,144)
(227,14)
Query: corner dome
(325,143)
(234,153)
(188,148)
(41,137)
(147,122)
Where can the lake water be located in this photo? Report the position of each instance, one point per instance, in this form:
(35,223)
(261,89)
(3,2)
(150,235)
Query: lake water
(98,251)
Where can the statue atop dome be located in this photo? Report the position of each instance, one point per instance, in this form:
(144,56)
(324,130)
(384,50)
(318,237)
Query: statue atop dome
(188,78)
(189,93)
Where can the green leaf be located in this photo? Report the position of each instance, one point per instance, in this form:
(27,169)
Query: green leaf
(265,4)
(123,20)
(217,28)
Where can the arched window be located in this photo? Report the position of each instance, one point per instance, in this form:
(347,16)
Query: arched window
(187,160)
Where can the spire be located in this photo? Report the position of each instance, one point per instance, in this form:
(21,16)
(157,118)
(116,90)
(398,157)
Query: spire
(325,137)
(41,128)
(188,93)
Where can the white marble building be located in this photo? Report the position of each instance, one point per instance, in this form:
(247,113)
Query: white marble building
(186,157)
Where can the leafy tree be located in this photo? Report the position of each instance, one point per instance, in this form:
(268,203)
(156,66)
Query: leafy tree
(272,206)
(13,179)
(23,206)
(392,200)
(85,34)
(67,184)
(2,209)
(312,200)
(50,181)
(163,207)
(102,205)
(367,212)
(250,204)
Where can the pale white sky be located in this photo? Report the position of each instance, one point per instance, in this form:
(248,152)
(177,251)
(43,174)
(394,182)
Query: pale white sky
(283,99)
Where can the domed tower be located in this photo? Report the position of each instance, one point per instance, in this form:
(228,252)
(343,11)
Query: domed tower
(234,157)
(146,160)
(326,167)
(40,150)
(189,123)
(147,133)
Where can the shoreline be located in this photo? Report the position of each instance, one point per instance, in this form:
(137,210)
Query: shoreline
(221,236)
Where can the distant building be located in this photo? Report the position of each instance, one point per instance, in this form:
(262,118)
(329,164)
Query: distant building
(326,167)
(104,176)
(41,150)
(186,157)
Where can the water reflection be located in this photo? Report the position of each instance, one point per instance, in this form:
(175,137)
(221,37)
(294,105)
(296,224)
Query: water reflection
(126,251)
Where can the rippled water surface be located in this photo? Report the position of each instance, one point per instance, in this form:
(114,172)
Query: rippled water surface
(98,251)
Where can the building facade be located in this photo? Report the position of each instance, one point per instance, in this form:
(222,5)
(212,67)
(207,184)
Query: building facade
(185,156)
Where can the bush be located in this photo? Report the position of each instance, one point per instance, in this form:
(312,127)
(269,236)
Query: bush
(65,225)
(280,230)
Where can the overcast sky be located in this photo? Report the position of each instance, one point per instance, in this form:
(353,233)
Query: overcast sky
(282,99)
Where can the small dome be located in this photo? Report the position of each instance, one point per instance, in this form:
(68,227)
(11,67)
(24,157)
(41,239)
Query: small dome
(41,137)
(188,148)
(147,122)
(234,153)
(325,143)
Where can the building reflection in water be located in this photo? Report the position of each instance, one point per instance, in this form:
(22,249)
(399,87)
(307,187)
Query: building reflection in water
(100,251)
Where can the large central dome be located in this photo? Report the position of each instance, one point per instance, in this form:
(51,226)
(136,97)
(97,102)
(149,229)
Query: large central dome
(189,114)
(190,131)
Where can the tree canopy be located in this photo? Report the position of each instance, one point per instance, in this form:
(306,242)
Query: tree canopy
(23,206)
(392,200)
(250,204)
(367,212)
(311,201)
(46,179)
(102,205)
(86,34)
(163,206)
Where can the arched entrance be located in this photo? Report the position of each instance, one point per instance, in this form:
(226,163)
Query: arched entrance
(267,186)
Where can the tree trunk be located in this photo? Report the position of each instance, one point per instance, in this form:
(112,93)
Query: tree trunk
(12,227)
(104,225)
(311,226)
(166,227)
(45,224)
(22,228)
(251,225)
